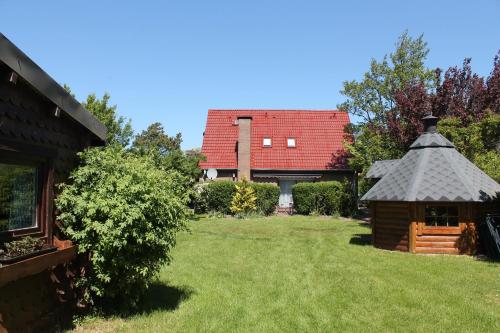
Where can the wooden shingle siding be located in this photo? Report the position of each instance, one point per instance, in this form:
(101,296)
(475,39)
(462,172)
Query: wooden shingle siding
(28,118)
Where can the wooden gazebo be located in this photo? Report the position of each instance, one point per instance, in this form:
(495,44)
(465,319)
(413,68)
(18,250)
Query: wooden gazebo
(431,199)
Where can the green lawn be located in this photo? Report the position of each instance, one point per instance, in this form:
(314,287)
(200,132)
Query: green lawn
(309,274)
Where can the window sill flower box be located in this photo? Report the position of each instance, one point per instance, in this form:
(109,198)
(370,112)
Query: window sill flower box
(63,253)
(7,260)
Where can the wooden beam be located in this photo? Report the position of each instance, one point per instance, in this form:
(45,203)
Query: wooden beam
(13,78)
(57,112)
(412,235)
(373,211)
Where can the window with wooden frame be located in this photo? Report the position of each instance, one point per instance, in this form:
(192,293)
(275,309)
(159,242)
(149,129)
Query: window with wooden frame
(25,192)
(18,196)
(441,215)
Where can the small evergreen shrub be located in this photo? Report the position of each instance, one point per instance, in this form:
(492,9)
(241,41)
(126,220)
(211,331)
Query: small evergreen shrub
(323,198)
(267,197)
(243,202)
(124,213)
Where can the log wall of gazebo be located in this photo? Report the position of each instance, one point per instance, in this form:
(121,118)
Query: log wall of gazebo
(401,226)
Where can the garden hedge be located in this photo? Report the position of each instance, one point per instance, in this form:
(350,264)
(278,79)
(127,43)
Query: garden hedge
(323,198)
(216,196)
(267,197)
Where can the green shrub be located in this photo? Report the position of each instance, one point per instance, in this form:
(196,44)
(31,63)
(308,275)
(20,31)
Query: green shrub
(216,197)
(124,214)
(323,198)
(304,198)
(345,200)
(267,197)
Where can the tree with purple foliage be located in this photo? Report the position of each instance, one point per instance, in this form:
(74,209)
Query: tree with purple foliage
(468,106)
(395,95)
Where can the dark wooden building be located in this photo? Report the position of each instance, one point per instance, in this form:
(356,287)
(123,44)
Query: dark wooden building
(430,200)
(42,127)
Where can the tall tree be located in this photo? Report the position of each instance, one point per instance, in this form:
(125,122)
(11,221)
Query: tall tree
(374,96)
(119,128)
(493,84)
(373,101)
(166,151)
(154,138)
(478,140)
(393,97)
(468,107)
(462,94)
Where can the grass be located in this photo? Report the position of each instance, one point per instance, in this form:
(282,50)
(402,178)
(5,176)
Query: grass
(309,274)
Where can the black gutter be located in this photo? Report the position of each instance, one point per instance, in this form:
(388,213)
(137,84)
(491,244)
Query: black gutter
(20,63)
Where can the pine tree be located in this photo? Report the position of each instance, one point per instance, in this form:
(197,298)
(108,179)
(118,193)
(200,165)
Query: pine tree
(244,199)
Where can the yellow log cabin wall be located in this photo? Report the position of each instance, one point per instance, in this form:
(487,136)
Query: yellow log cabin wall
(401,226)
(390,225)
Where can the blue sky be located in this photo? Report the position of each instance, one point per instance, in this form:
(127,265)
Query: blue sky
(170,61)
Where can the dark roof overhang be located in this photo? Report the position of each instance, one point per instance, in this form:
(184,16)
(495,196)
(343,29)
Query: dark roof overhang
(287,176)
(305,170)
(23,66)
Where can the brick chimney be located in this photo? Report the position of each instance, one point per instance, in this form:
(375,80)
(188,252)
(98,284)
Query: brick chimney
(244,132)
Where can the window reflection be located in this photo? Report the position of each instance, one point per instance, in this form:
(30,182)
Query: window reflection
(18,194)
(441,216)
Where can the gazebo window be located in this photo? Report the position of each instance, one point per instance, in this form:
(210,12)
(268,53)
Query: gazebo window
(441,216)
(18,196)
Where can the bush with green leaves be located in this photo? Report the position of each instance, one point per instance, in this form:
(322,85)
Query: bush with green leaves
(478,140)
(304,198)
(216,197)
(267,197)
(124,213)
(323,198)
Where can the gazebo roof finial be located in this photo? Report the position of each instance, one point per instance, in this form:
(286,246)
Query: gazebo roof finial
(430,123)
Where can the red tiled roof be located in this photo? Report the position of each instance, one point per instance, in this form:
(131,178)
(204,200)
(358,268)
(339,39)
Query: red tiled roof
(318,135)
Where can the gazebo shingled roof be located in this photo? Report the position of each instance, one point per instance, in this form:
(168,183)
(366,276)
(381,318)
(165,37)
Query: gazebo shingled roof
(433,170)
(380,168)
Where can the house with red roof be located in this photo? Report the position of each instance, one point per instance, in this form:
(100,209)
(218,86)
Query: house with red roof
(275,146)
